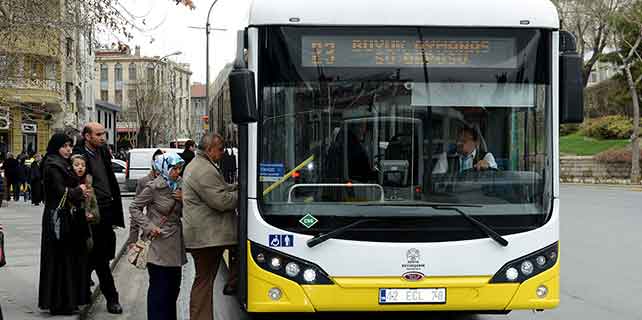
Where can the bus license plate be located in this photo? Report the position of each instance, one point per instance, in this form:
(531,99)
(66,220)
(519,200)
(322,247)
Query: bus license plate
(408,296)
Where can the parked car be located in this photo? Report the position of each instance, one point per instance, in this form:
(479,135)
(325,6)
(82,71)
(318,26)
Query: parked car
(119,167)
(139,163)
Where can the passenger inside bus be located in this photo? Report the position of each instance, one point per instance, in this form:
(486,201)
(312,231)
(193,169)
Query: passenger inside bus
(358,159)
(470,155)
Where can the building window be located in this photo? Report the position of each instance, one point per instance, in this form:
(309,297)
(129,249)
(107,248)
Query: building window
(118,76)
(104,95)
(99,118)
(69,46)
(150,74)
(4,64)
(119,97)
(104,77)
(50,71)
(131,96)
(69,87)
(132,72)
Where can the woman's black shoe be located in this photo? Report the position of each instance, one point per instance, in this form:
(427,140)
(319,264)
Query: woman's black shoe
(114,308)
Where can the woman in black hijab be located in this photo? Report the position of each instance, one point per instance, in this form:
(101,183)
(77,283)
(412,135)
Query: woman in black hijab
(64,276)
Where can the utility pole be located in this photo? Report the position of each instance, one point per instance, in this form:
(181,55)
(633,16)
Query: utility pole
(207,57)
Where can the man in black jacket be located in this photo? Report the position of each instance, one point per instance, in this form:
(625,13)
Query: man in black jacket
(105,185)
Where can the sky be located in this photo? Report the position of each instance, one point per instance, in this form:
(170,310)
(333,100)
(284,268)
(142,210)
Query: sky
(166,29)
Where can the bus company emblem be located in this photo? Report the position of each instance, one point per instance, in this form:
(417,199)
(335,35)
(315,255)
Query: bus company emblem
(413,276)
(413,255)
(413,261)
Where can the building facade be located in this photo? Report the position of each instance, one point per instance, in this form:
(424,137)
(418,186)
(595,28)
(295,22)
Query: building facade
(601,71)
(199,114)
(44,85)
(106,114)
(154,94)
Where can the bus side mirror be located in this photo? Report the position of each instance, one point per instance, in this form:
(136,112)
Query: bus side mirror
(571,86)
(243,96)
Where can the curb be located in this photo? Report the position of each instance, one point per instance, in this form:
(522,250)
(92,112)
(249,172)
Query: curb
(86,311)
(626,187)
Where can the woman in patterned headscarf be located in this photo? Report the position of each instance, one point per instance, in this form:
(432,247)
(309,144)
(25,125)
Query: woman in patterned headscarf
(161,222)
(142,183)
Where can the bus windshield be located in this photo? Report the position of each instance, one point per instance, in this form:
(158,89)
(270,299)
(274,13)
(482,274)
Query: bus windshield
(386,122)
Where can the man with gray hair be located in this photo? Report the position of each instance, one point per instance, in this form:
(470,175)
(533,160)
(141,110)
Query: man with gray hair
(209,220)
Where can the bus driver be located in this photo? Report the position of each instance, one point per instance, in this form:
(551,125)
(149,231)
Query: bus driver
(469,155)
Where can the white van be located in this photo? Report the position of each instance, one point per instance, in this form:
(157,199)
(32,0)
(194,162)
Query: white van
(139,163)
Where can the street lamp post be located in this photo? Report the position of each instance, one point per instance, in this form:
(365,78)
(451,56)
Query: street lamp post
(207,57)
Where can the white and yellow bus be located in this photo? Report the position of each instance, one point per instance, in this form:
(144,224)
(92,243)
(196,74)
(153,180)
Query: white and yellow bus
(353,192)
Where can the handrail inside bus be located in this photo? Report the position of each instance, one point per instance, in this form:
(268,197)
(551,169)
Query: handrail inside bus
(287,176)
(345,185)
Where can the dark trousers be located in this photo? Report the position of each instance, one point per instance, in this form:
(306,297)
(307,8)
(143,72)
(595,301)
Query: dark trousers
(103,251)
(162,295)
(206,261)
(16,190)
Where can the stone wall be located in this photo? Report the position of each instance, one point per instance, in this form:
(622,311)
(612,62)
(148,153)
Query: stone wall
(589,170)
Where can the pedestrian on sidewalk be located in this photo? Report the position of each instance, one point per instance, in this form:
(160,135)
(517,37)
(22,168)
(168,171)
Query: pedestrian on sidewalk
(11,174)
(36,181)
(24,173)
(64,281)
(188,153)
(92,146)
(1,253)
(141,184)
(210,222)
(162,224)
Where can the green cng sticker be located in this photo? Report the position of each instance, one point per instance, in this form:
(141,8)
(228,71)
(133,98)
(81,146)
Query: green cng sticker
(308,221)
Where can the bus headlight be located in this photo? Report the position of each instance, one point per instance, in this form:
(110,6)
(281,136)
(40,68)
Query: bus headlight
(309,275)
(274,294)
(292,269)
(540,260)
(275,263)
(512,274)
(522,269)
(526,267)
(288,266)
(541,292)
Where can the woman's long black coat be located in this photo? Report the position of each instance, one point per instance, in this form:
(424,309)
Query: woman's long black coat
(36,183)
(64,273)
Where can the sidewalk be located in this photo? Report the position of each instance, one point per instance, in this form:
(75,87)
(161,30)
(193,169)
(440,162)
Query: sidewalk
(132,285)
(19,278)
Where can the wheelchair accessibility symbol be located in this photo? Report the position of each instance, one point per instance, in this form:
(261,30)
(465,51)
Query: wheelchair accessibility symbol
(281,240)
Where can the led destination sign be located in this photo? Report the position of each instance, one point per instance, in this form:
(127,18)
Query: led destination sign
(408,52)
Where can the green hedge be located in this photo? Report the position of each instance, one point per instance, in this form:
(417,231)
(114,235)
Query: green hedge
(609,127)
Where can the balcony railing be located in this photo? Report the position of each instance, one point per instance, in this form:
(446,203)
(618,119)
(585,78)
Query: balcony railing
(27,83)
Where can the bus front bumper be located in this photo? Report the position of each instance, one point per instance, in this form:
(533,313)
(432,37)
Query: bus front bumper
(361,293)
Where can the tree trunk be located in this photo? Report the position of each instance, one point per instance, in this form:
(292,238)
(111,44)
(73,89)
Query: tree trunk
(635,144)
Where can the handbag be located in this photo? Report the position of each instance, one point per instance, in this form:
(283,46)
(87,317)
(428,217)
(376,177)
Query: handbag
(3,259)
(60,218)
(137,255)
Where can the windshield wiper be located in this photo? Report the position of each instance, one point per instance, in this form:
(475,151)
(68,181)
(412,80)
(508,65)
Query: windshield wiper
(480,225)
(322,237)
(452,207)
